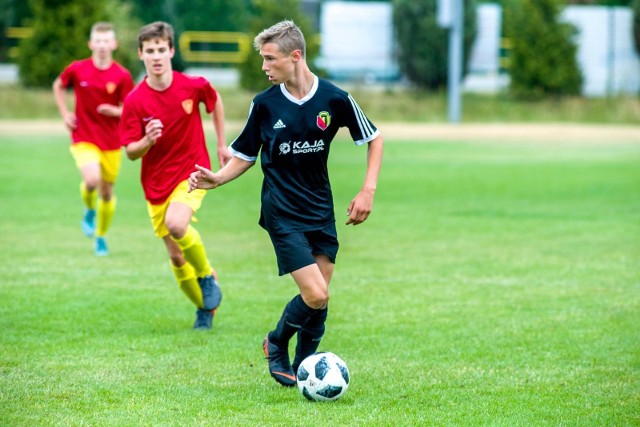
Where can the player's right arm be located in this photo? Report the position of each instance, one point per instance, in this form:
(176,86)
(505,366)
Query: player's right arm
(153,131)
(204,178)
(59,93)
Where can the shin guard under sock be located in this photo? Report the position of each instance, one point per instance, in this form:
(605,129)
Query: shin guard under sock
(294,316)
(105,215)
(186,278)
(193,250)
(309,337)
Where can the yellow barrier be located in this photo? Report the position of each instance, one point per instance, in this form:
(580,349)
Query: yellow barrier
(187,38)
(506,44)
(17,33)
(185,42)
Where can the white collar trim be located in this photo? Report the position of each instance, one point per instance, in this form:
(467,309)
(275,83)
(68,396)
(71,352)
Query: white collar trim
(307,97)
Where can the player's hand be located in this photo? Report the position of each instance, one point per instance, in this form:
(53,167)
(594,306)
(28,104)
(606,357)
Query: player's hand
(109,110)
(202,178)
(224,155)
(360,208)
(153,130)
(71,121)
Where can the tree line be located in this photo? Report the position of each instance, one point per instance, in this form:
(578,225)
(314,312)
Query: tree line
(542,58)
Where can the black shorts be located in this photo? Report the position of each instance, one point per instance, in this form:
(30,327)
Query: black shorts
(296,250)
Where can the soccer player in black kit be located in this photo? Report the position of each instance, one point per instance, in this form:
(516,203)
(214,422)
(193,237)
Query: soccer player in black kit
(291,126)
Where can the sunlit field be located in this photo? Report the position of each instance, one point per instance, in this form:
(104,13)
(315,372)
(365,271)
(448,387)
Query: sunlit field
(497,282)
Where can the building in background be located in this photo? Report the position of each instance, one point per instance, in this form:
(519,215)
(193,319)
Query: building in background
(357,41)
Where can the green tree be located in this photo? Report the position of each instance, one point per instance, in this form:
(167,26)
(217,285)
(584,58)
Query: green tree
(267,13)
(543,58)
(423,45)
(12,14)
(635,6)
(60,34)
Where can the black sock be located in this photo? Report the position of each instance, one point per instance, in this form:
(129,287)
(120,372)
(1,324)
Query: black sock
(309,337)
(294,316)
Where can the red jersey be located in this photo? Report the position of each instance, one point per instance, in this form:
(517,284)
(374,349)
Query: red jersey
(93,87)
(174,155)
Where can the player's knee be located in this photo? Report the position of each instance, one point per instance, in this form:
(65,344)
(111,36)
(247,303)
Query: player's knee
(177,229)
(91,183)
(317,299)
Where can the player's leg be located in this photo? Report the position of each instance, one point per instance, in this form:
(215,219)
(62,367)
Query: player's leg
(186,277)
(177,219)
(190,243)
(294,255)
(324,245)
(311,333)
(109,169)
(87,159)
(183,272)
(312,298)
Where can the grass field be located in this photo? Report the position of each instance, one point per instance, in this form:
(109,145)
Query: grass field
(496,283)
(390,105)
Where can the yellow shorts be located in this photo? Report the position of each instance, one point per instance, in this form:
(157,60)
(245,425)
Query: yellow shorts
(85,152)
(179,195)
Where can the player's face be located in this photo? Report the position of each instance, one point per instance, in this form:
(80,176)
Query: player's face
(156,56)
(278,66)
(103,43)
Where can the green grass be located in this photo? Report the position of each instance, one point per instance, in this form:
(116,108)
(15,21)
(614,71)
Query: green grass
(394,104)
(494,284)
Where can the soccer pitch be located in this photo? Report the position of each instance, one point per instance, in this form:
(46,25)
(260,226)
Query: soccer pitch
(497,282)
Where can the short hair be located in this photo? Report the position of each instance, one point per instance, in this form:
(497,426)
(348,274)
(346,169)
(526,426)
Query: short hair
(285,34)
(156,30)
(102,27)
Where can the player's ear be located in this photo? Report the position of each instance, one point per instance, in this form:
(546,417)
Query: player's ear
(296,55)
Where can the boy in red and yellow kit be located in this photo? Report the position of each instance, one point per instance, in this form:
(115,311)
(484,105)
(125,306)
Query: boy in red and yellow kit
(161,124)
(100,85)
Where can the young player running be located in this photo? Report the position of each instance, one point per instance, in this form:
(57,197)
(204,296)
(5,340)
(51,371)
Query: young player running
(291,126)
(100,85)
(161,124)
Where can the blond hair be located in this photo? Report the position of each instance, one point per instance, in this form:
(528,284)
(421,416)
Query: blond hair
(102,27)
(285,34)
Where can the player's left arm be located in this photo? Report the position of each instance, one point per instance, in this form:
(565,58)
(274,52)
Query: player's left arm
(224,155)
(362,204)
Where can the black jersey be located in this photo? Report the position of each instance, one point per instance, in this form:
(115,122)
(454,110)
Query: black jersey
(293,138)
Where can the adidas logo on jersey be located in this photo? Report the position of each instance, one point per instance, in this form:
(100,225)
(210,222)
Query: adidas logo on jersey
(279,125)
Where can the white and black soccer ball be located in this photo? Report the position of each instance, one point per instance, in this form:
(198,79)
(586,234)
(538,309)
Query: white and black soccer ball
(323,377)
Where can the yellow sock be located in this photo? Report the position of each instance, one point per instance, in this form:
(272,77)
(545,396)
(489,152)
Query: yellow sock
(188,283)
(193,251)
(88,197)
(105,215)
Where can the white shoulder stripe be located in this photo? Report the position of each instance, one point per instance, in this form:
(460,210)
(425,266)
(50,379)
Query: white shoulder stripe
(365,128)
(368,139)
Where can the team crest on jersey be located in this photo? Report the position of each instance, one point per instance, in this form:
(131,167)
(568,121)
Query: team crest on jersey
(111,87)
(187,106)
(323,120)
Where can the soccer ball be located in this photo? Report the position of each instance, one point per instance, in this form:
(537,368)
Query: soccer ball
(323,377)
